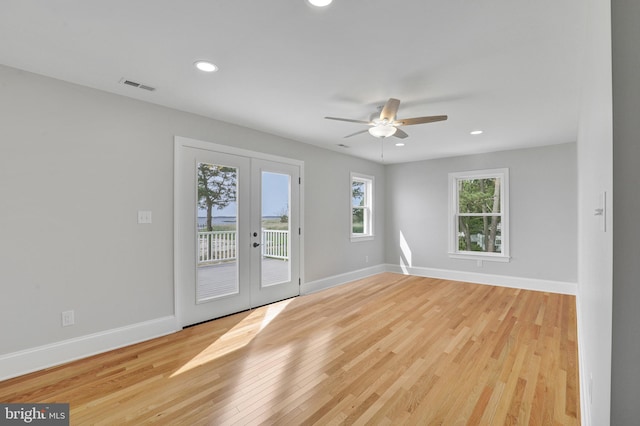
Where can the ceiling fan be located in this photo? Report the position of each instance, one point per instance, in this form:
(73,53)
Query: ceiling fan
(387,124)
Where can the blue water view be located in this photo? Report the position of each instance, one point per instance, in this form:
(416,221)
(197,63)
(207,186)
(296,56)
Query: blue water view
(217,220)
(223,220)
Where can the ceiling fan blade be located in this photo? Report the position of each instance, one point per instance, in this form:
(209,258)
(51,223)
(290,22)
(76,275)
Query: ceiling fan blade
(357,133)
(420,120)
(348,120)
(400,134)
(390,110)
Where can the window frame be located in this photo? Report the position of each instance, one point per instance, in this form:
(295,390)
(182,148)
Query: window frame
(368,215)
(454,251)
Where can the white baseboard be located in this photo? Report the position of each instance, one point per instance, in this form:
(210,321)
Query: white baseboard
(34,359)
(335,280)
(561,287)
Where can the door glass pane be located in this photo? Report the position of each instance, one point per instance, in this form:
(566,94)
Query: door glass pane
(217,263)
(276,195)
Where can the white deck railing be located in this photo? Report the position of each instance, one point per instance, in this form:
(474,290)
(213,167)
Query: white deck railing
(219,246)
(216,246)
(275,244)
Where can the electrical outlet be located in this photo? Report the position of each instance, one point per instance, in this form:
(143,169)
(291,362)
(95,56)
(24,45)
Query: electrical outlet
(68,318)
(144,216)
(366,259)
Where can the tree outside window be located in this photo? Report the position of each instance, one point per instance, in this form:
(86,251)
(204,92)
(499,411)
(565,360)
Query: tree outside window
(216,188)
(361,206)
(478,201)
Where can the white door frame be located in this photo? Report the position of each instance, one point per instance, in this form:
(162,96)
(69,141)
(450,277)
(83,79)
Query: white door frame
(183,142)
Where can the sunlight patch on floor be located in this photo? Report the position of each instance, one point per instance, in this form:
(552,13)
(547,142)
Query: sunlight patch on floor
(237,337)
(272,312)
(405,254)
(272,378)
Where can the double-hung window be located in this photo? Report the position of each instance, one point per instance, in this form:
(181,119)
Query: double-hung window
(479,215)
(361,207)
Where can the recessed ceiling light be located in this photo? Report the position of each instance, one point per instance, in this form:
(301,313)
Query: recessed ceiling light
(206,66)
(476,132)
(320,3)
(399,143)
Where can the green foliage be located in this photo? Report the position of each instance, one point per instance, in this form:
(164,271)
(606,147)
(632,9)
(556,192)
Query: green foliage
(357,193)
(284,214)
(477,196)
(275,224)
(226,227)
(357,228)
(357,221)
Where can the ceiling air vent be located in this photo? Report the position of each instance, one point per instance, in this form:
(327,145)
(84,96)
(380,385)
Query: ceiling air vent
(136,84)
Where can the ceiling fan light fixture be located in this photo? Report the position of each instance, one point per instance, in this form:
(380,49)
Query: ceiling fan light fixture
(320,3)
(382,130)
(387,125)
(399,143)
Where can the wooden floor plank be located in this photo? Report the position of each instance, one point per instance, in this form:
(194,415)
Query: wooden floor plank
(388,349)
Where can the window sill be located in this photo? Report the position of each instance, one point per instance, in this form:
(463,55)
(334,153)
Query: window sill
(358,238)
(484,257)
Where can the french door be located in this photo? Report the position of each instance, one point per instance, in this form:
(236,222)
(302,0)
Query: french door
(237,231)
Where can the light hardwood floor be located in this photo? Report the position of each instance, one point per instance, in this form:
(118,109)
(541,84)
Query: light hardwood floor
(389,349)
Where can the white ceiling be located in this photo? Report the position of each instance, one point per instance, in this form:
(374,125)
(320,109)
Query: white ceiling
(510,68)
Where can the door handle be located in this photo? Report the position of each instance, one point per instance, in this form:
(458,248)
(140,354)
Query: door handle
(256,244)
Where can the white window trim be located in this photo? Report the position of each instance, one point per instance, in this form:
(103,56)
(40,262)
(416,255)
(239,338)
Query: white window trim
(454,253)
(370,180)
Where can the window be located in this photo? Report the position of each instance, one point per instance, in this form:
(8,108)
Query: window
(361,207)
(479,219)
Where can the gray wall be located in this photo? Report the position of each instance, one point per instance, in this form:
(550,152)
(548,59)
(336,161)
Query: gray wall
(77,164)
(625,392)
(542,202)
